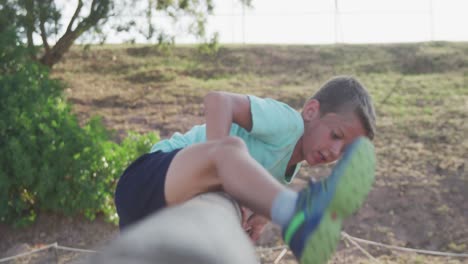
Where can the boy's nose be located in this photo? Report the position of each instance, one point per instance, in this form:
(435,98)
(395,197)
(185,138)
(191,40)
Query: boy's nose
(336,149)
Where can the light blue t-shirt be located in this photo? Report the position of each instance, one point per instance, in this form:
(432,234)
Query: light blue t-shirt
(276,128)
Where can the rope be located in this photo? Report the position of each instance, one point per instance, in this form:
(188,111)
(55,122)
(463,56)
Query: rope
(280,256)
(360,248)
(352,239)
(53,245)
(28,253)
(270,248)
(421,251)
(76,249)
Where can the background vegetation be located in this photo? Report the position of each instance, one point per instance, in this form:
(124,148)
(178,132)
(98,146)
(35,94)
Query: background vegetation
(48,161)
(420,92)
(59,158)
(66,135)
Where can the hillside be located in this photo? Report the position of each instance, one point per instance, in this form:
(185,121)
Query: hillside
(420,198)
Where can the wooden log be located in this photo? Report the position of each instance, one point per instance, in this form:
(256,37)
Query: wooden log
(205,229)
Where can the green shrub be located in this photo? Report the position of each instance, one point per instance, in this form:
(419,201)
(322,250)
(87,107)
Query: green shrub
(210,48)
(47,161)
(114,160)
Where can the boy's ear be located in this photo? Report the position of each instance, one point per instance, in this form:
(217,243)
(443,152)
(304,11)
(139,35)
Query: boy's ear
(311,110)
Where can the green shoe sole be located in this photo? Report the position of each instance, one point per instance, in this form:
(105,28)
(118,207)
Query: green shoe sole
(322,244)
(314,232)
(357,171)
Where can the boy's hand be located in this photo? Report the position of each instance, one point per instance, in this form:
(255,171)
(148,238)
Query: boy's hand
(253,223)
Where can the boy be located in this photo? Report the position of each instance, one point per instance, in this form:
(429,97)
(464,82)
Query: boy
(246,141)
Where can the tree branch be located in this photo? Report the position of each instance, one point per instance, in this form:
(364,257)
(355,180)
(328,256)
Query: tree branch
(99,10)
(29,26)
(75,15)
(42,18)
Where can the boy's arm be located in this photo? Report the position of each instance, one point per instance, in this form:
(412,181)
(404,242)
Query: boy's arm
(222,109)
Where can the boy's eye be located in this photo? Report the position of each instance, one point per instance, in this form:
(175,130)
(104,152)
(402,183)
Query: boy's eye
(335,135)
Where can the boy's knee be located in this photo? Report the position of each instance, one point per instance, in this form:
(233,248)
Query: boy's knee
(229,144)
(234,142)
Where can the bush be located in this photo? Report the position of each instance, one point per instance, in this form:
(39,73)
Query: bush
(48,162)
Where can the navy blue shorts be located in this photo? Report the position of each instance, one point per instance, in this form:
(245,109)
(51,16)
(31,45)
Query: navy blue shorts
(140,190)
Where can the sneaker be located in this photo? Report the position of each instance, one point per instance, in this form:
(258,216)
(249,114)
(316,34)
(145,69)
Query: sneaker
(314,230)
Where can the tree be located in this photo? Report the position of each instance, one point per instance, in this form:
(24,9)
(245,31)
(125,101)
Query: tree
(48,162)
(44,20)
(43,17)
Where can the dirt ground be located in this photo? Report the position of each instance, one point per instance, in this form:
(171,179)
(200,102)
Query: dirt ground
(420,199)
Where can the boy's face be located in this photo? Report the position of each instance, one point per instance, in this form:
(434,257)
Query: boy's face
(325,137)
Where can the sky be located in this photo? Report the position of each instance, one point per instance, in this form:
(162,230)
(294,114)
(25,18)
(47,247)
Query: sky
(329,21)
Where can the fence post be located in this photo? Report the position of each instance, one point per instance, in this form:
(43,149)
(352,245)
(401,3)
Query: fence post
(205,229)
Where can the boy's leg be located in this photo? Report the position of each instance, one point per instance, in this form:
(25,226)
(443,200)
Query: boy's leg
(311,220)
(221,164)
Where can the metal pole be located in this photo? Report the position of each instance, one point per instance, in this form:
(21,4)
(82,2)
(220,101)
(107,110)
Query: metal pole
(233,22)
(336,21)
(431,10)
(243,23)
